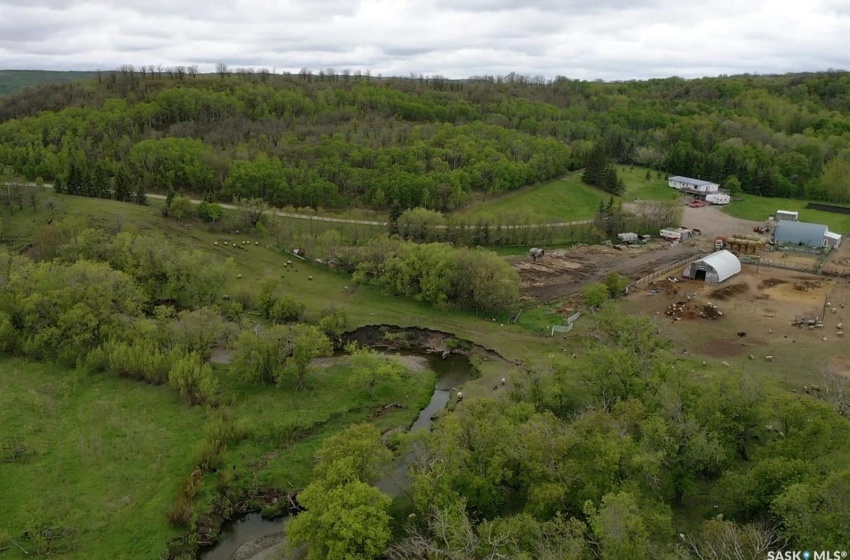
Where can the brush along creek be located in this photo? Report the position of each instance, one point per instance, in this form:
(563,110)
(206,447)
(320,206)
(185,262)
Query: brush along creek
(254,538)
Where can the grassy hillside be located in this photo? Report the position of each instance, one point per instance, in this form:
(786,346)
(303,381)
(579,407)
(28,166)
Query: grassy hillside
(569,199)
(15,80)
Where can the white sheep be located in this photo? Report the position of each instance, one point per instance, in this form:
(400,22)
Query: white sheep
(309,277)
(752,357)
(225,243)
(839,326)
(768,358)
(503,381)
(824,339)
(459,396)
(238,276)
(726,364)
(215,243)
(256,243)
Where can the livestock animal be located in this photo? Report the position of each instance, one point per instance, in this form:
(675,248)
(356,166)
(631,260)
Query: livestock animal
(536,253)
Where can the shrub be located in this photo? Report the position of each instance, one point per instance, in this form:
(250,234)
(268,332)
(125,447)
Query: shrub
(193,379)
(285,309)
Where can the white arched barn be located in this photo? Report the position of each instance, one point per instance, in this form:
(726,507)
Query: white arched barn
(715,268)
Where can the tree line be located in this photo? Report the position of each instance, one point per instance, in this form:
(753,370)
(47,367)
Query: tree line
(335,139)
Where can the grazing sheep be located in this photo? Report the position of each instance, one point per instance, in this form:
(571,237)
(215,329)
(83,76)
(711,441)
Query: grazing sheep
(768,358)
(256,243)
(769,331)
(225,242)
(752,357)
(309,278)
(704,363)
(726,364)
(238,276)
(824,339)
(459,396)
(226,297)
(215,243)
(839,326)
(840,333)
(503,381)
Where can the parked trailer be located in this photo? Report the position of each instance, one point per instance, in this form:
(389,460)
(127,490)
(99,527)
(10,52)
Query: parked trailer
(718,198)
(675,234)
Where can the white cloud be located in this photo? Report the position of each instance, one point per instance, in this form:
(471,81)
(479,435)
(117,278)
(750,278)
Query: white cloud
(589,39)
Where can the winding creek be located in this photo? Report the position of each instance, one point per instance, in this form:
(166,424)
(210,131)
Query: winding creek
(255,538)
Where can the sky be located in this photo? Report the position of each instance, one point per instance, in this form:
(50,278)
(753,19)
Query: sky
(579,39)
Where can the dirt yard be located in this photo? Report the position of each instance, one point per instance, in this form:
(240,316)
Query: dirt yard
(753,315)
(562,273)
(713,222)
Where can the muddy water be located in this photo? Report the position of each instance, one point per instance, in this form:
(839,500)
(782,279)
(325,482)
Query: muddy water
(252,537)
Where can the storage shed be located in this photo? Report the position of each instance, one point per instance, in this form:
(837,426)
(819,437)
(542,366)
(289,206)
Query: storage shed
(715,268)
(787,215)
(832,240)
(787,232)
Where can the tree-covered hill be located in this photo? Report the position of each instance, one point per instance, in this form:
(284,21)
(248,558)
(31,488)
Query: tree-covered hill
(16,80)
(337,139)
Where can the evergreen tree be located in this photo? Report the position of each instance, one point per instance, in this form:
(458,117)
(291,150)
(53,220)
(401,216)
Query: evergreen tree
(121,185)
(99,182)
(395,213)
(139,196)
(75,180)
(58,185)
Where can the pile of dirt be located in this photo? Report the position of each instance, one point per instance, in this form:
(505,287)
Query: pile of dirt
(727,292)
(691,310)
(771,282)
(806,285)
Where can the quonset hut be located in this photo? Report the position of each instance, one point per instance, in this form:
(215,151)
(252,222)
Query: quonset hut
(715,268)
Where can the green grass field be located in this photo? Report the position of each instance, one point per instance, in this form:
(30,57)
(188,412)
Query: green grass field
(568,199)
(108,455)
(757,208)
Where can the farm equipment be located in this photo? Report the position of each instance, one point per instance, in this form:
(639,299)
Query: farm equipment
(719,243)
(762,229)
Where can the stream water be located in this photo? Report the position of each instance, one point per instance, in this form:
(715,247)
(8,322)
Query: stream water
(452,372)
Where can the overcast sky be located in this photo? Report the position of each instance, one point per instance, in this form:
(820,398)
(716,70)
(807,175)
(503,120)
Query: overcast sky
(586,39)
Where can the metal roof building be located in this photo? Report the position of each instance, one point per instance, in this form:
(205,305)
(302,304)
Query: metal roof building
(715,268)
(800,233)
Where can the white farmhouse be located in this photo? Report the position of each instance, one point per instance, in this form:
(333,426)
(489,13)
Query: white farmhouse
(687,184)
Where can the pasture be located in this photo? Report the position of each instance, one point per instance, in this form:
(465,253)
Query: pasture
(567,199)
(104,457)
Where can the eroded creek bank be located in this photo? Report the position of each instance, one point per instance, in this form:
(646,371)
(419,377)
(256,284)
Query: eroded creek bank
(252,537)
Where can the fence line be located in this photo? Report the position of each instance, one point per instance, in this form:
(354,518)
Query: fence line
(660,272)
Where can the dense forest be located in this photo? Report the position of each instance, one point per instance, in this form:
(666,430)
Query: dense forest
(334,139)
(16,80)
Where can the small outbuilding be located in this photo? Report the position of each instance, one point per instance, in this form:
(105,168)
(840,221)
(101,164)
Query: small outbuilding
(715,268)
(787,215)
(788,232)
(832,240)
